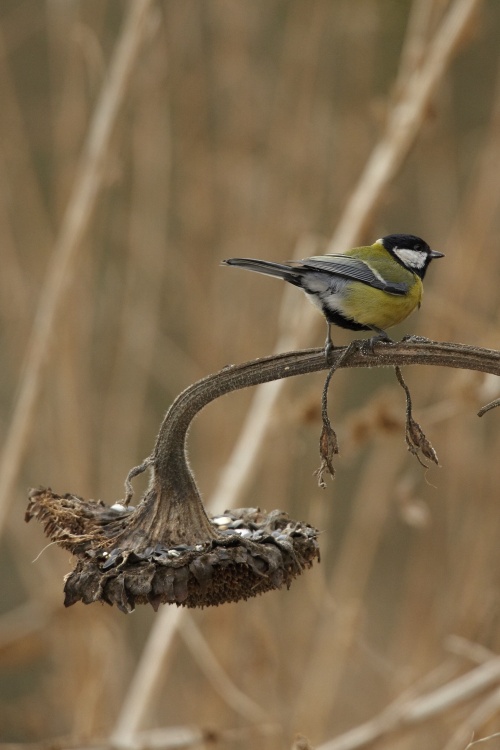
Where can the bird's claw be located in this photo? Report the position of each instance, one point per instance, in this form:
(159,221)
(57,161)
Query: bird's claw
(367,345)
(412,338)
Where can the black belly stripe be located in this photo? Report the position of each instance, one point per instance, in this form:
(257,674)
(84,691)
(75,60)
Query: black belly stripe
(336,318)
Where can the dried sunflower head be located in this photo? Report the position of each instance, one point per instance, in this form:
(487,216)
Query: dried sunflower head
(248,552)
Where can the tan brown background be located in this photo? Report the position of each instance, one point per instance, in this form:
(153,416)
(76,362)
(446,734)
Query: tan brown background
(245,127)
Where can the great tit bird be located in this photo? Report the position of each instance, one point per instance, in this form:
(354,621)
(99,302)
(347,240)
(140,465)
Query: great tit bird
(364,289)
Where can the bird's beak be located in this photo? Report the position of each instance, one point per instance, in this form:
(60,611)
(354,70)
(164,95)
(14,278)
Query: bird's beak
(435,254)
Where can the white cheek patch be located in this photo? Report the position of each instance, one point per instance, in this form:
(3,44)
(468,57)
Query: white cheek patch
(412,258)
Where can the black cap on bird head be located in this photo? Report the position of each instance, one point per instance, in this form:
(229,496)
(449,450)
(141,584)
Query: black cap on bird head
(411,251)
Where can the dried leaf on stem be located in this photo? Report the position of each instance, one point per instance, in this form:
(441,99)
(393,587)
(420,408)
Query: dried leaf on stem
(415,437)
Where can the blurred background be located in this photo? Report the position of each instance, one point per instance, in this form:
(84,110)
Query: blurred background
(244,129)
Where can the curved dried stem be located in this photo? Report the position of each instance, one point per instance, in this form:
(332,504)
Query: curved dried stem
(173,502)
(168,549)
(173,499)
(169,451)
(487,407)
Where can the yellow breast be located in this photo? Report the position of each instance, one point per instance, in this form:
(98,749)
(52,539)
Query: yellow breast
(372,307)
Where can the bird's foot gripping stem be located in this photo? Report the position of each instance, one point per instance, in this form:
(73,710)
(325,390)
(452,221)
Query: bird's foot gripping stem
(367,345)
(412,338)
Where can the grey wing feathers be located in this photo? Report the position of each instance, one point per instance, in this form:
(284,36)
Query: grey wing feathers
(353,268)
(342,266)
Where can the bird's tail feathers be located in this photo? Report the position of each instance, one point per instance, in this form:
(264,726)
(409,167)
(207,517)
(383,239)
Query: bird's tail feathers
(280,270)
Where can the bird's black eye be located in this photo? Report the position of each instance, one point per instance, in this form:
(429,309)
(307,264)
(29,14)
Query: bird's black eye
(417,247)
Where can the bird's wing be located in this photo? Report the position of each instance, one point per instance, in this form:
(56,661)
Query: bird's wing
(353,268)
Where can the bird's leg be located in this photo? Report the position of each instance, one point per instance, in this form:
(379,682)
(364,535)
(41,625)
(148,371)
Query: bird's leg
(328,342)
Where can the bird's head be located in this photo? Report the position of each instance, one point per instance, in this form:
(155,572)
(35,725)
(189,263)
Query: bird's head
(412,252)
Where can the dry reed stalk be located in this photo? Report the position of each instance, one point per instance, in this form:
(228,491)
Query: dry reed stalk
(421,24)
(472,230)
(218,677)
(482,741)
(481,715)
(16,139)
(148,676)
(62,266)
(466,563)
(145,270)
(411,713)
(338,630)
(403,123)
